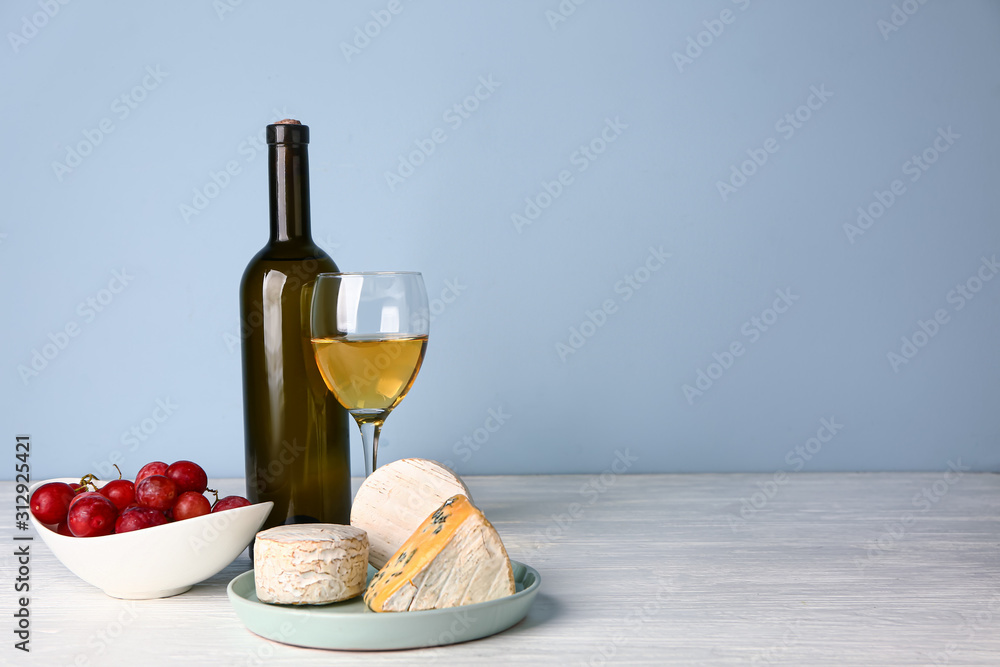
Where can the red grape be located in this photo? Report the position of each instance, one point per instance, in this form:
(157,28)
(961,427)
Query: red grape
(63,529)
(121,492)
(229,503)
(50,502)
(157,492)
(91,515)
(191,504)
(188,476)
(153,468)
(137,518)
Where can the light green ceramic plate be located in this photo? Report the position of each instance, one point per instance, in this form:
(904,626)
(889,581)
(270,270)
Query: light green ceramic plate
(351,625)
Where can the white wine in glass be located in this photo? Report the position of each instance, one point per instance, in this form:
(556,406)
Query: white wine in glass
(369,334)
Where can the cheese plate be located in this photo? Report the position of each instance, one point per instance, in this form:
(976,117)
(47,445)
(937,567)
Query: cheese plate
(350,625)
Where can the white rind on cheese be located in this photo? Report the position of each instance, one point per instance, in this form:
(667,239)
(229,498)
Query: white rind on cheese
(396,498)
(432,571)
(472,568)
(316,563)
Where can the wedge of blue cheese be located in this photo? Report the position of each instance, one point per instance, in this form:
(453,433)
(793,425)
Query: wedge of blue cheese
(454,558)
(315,563)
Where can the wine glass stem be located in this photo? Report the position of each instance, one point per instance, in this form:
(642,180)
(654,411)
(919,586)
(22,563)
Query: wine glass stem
(369,442)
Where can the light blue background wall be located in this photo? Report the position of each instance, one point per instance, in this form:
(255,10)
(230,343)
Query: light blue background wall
(514,291)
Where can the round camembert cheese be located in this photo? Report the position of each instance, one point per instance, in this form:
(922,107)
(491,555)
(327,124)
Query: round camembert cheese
(395,499)
(313,563)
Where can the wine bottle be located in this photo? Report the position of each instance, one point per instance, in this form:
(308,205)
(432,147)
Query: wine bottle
(296,433)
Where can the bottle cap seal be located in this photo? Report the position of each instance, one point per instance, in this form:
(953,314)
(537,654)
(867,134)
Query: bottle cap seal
(287,132)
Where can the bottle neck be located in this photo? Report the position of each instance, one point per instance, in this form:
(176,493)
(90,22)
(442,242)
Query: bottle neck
(288,171)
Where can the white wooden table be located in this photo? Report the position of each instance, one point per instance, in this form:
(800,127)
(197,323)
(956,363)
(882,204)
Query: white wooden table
(826,569)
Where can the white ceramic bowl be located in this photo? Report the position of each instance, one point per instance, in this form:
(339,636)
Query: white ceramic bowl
(160,561)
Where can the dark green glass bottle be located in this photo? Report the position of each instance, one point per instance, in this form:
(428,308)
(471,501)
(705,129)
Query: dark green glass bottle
(297,434)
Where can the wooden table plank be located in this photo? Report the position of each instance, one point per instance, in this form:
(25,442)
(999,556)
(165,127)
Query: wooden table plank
(818,569)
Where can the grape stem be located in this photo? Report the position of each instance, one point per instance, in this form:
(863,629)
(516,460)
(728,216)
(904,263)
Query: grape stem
(87,480)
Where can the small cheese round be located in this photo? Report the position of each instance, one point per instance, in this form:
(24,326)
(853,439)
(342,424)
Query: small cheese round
(312,563)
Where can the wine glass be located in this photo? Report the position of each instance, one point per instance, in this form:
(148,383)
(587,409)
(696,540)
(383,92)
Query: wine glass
(369,334)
